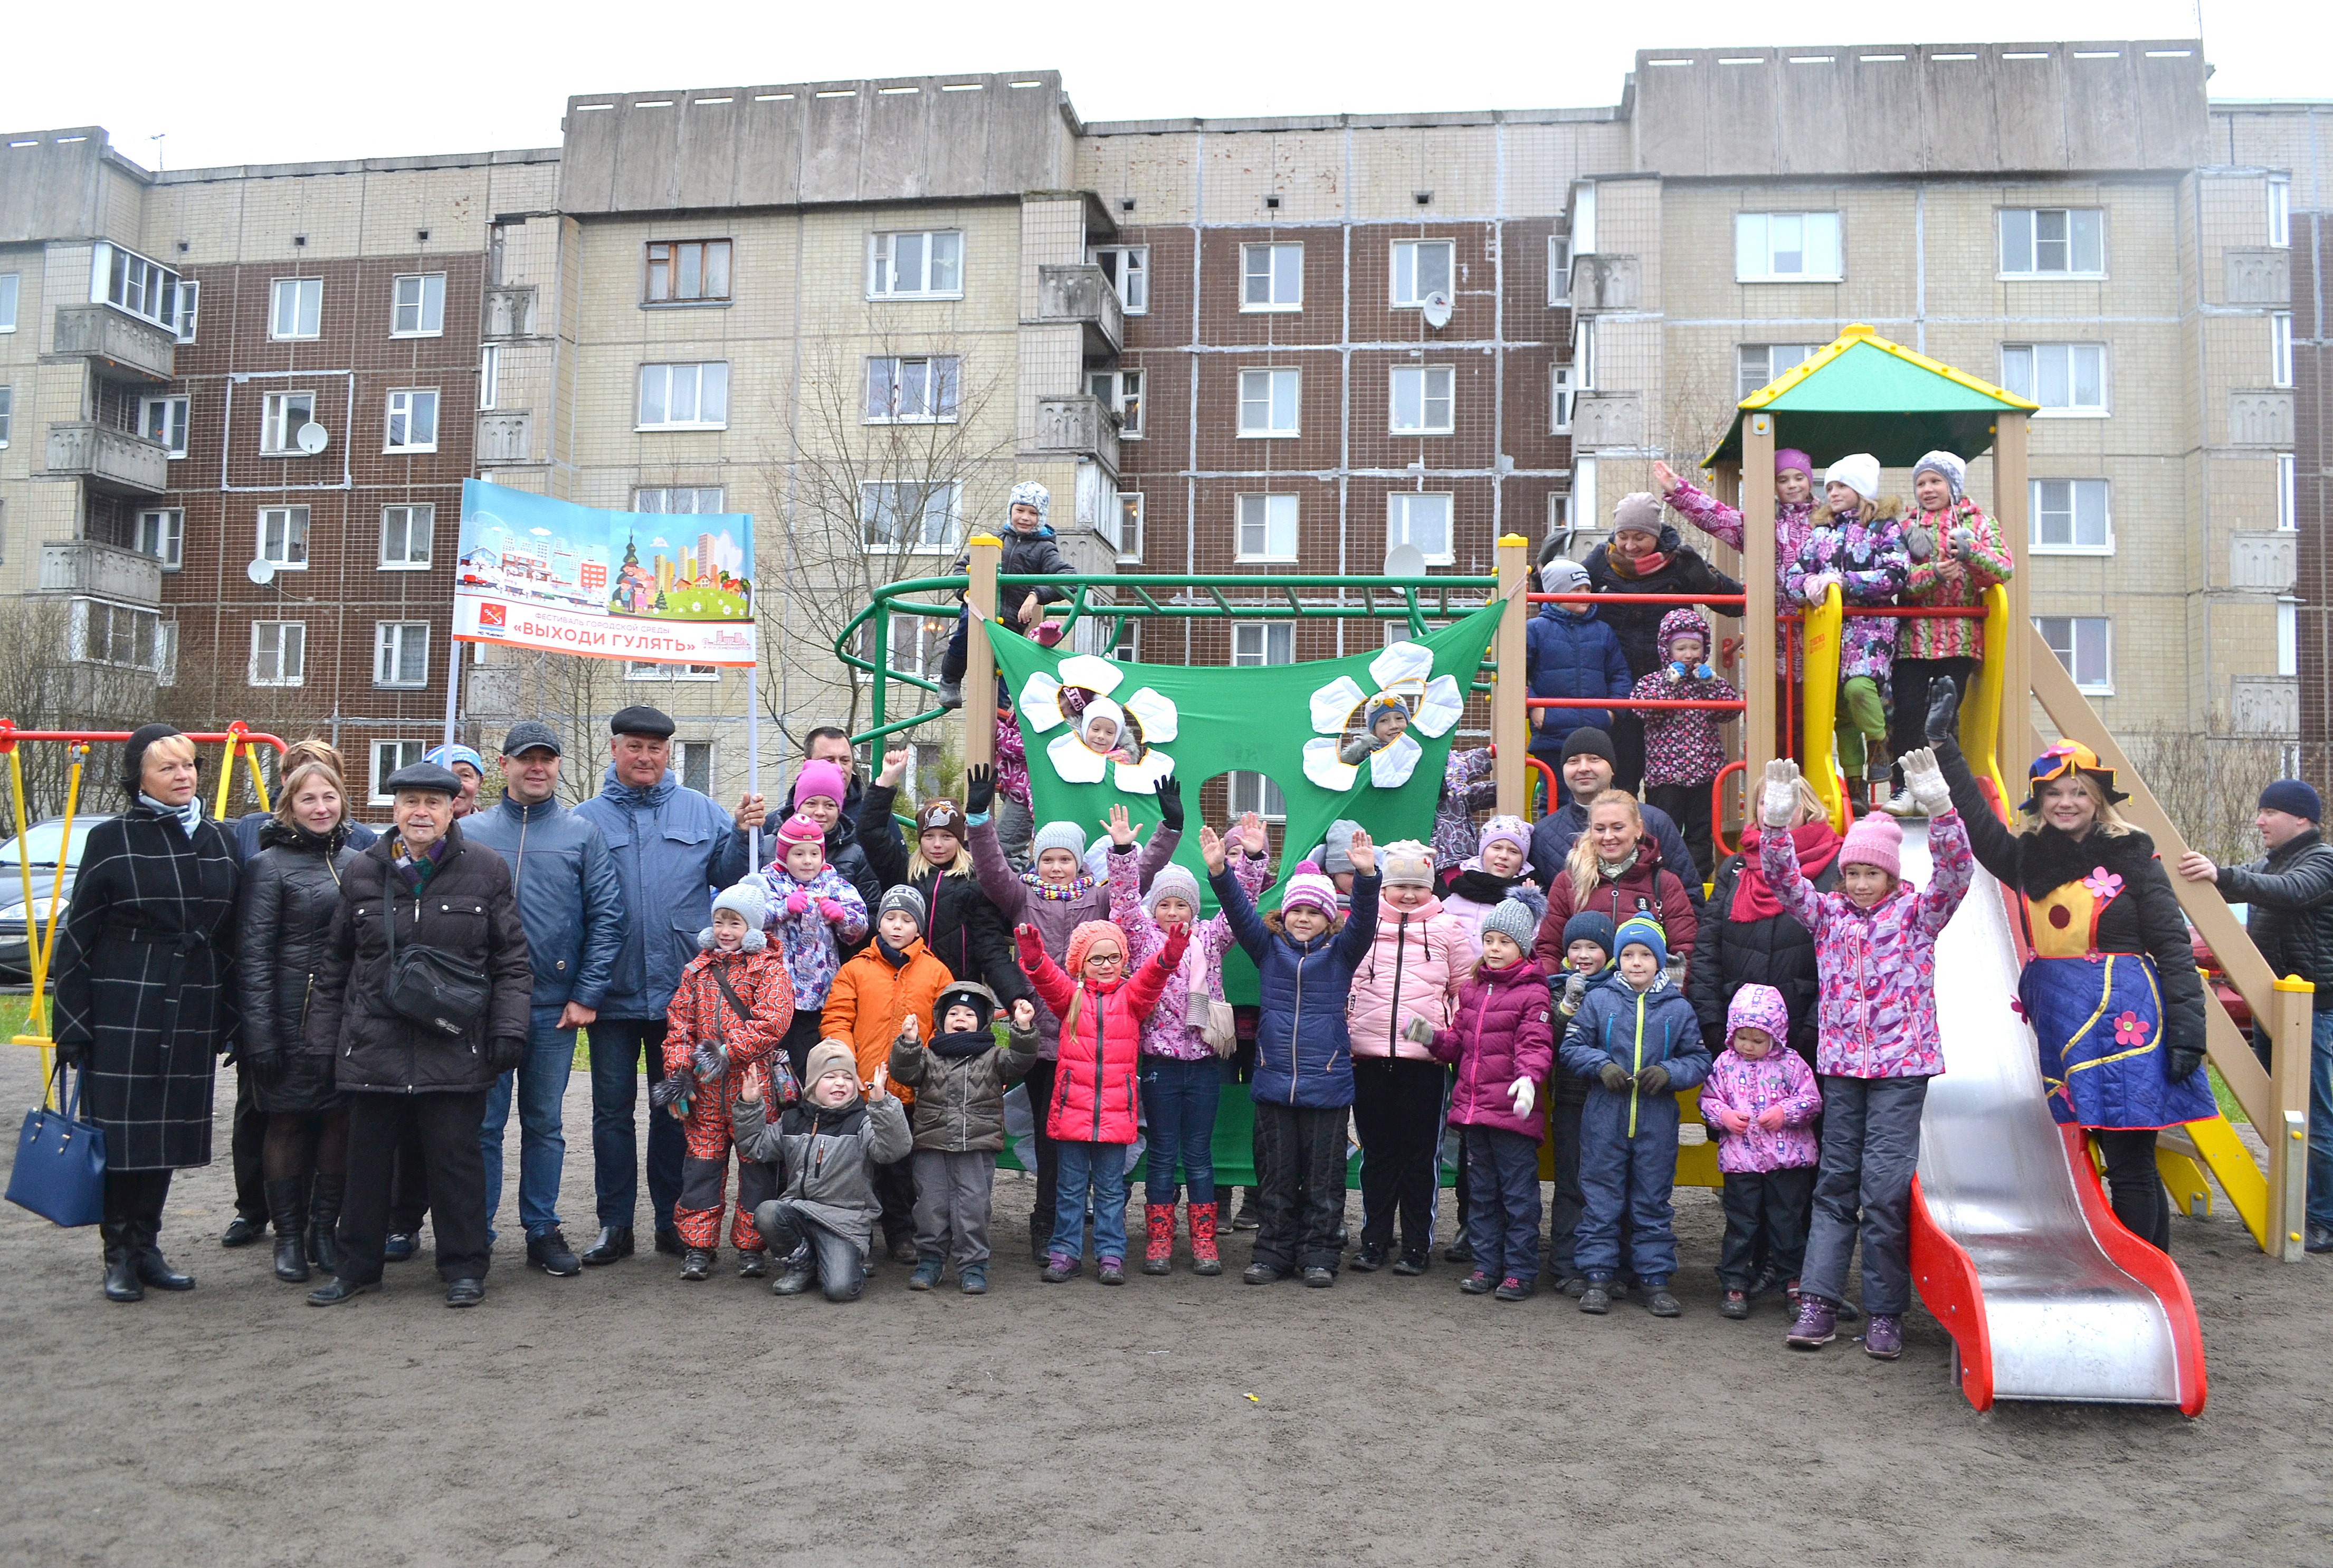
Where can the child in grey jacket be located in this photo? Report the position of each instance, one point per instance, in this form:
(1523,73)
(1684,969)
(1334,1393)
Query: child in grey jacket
(958,1116)
(825,1147)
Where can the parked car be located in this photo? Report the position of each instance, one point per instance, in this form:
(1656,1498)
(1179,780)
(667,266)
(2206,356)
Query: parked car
(51,869)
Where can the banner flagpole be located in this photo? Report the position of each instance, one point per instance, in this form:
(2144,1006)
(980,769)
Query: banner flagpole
(453,685)
(753,753)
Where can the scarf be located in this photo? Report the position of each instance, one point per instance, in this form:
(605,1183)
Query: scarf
(896,957)
(188,815)
(1480,886)
(417,869)
(1076,887)
(956,1048)
(1614,870)
(1634,567)
(1753,897)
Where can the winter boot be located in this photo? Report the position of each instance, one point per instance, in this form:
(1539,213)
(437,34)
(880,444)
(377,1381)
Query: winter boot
(1883,1336)
(284,1209)
(1158,1247)
(928,1273)
(120,1262)
(325,1222)
(1248,1217)
(1203,1259)
(696,1264)
(1817,1326)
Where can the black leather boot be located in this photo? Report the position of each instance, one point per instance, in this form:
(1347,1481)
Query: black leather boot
(120,1262)
(324,1221)
(153,1270)
(615,1241)
(283,1206)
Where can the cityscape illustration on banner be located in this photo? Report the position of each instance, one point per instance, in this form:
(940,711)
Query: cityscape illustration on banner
(654,587)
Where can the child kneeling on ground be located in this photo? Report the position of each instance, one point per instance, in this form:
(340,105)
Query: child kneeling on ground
(1875,1045)
(825,1148)
(1639,1040)
(958,1116)
(1760,1099)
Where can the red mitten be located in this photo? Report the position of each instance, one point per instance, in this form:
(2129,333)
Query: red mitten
(797,901)
(832,911)
(1033,946)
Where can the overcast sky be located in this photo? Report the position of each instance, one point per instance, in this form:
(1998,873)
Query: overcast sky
(239,83)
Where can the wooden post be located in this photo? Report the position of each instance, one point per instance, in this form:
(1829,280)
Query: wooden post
(980,666)
(2019,743)
(1758,630)
(2291,1013)
(1509,719)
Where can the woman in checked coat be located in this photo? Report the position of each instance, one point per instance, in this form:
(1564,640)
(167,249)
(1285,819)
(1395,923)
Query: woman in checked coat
(144,1006)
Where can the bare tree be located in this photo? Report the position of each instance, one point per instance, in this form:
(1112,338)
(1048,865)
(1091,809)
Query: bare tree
(42,687)
(571,693)
(2208,782)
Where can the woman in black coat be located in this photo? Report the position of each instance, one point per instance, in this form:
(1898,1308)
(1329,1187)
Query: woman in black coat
(1646,555)
(400,1073)
(144,1006)
(290,890)
(965,932)
(1747,938)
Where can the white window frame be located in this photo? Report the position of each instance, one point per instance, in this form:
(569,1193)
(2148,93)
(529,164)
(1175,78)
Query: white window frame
(2075,491)
(1273,276)
(278,430)
(2288,511)
(1127,648)
(1404,269)
(305,316)
(1815,229)
(1584,513)
(409,404)
(667,375)
(2288,636)
(490,377)
(2031,390)
(1583,353)
(2032,271)
(427,304)
(2279,347)
(1129,272)
(643,670)
(388,757)
(705,249)
(662,496)
(1276,520)
(162,534)
(8,414)
(691,755)
(165,653)
(403,524)
(1426,399)
(1129,526)
(2280,210)
(92,622)
(1559,513)
(1563,400)
(1269,400)
(190,310)
(2071,654)
(393,649)
(290,640)
(1558,270)
(169,429)
(883,281)
(1399,522)
(1260,644)
(943,378)
(293,524)
(136,286)
(1254,792)
(9,287)
(1743,386)
(871,499)
(1111,387)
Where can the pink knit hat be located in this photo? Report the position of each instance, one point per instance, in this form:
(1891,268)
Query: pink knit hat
(1875,840)
(801,829)
(820,778)
(1791,458)
(1309,886)
(1089,931)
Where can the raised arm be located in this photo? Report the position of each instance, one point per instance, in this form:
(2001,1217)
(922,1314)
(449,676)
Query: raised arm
(1053,987)
(1150,981)
(1951,869)
(1003,885)
(1238,911)
(1706,513)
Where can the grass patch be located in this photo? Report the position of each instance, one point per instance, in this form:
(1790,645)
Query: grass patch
(2229,1106)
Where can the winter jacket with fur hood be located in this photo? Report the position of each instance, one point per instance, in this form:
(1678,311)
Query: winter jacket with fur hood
(1412,971)
(1503,1029)
(1681,570)
(1094,1094)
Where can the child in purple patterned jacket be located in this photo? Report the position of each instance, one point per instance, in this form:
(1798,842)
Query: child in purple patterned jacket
(1760,1099)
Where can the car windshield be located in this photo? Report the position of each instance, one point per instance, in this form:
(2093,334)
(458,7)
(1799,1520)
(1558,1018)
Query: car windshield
(40,844)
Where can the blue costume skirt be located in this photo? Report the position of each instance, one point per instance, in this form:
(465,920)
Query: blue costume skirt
(2098,1020)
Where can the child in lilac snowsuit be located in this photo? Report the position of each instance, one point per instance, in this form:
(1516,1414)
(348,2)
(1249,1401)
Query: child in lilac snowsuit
(1761,1101)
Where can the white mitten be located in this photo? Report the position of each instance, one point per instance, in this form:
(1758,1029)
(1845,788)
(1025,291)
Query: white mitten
(1781,798)
(1919,543)
(1925,778)
(1526,1096)
(1419,1032)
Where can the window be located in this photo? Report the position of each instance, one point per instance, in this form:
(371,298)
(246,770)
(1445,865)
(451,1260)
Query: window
(1267,528)
(909,518)
(1583,492)
(2279,347)
(2288,636)
(2280,210)
(1127,649)
(283,536)
(405,536)
(1560,402)
(1423,521)
(2053,242)
(1272,277)
(1422,397)
(697,502)
(7,302)
(693,762)
(2070,517)
(2065,378)
(1268,402)
(490,377)
(388,757)
(1757,364)
(1129,526)
(134,286)
(162,534)
(164,419)
(683,272)
(1559,520)
(2287,517)
(638,670)
(165,653)
(1422,267)
(280,415)
(412,421)
(685,397)
(101,633)
(190,295)
(2084,644)
(1254,792)
(1786,247)
(420,310)
(279,656)
(1558,269)
(1120,392)
(400,653)
(911,389)
(916,266)
(1583,352)
(1262,642)
(299,306)
(7,410)
(1128,268)
(913,644)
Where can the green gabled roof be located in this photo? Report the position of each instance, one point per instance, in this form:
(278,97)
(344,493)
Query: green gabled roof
(1865,394)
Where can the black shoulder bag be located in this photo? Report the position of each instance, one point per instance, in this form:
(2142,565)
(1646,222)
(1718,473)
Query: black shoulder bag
(442,993)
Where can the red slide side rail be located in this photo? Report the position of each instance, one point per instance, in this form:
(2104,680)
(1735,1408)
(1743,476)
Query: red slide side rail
(1946,1279)
(2142,1262)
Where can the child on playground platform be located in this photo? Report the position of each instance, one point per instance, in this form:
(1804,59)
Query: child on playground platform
(1683,749)
(1382,723)
(1571,650)
(896,978)
(1956,553)
(1760,1100)
(824,1148)
(958,1120)
(1855,540)
(1644,556)
(1794,506)
(814,914)
(1030,548)
(1877,1045)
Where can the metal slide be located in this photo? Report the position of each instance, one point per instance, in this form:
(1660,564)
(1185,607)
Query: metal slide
(2013,1248)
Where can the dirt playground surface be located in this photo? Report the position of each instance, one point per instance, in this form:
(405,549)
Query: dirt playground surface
(625,1418)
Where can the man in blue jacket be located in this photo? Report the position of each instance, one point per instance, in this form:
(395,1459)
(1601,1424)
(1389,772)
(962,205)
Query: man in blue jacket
(572,904)
(1570,653)
(673,849)
(1587,773)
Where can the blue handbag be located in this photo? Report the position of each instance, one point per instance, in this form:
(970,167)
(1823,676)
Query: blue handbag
(60,1172)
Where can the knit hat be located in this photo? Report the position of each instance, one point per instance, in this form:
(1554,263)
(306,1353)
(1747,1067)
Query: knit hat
(1172,882)
(1860,472)
(1381,705)
(1029,492)
(1589,740)
(1590,925)
(1562,576)
(446,756)
(1336,850)
(824,1056)
(1758,1008)
(1640,509)
(1517,916)
(963,993)
(823,779)
(906,898)
(1058,836)
(943,814)
(800,829)
(1791,458)
(1638,931)
(1309,886)
(1407,864)
(1685,621)
(1955,472)
(748,900)
(133,753)
(1512,830)
(2293,798)
(1081,942)
(1874,840)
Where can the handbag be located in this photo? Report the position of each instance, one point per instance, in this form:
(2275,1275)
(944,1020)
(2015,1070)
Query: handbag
(60,1172)
(441,992)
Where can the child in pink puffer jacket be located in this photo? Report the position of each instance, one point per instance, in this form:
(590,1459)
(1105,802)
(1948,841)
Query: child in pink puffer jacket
(1411,971)
(1760,1100)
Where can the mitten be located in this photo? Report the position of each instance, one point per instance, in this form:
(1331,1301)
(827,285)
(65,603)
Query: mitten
(1926,780)
(979,789)
(832,911)
(1701,672)
(1418,1033)
(1781,798)
(504,1052)
(1170,803)
(797,901)
(1964,541)
(1524,1094)
(1653,1079)
(1918,543)
(2182,1061)
(1575,992)
(1613,1076)
(1677,671)
(1944,713)
(710,1062)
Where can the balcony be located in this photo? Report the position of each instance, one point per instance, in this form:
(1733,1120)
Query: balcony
(109,457)
(83,565)
(132,349)
(505,438)
(1078,424)
(1083,294)
(1605,282)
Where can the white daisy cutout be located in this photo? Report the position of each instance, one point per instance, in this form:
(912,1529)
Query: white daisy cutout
(1403,672)
(1073,757)
(1074,760)
(1142,778)
(1041,694)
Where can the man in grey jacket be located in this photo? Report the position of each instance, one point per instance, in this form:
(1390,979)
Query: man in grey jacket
(573,905)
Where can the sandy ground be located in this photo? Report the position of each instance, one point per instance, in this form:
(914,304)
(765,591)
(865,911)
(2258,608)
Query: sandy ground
(625,1418)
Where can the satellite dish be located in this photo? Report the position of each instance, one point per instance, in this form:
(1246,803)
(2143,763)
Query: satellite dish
(312,438)
(262,572)
(1437,309)
(1405,560)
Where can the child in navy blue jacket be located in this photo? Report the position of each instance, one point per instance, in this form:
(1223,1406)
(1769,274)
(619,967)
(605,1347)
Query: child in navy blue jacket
(1305,954)
(1570,653)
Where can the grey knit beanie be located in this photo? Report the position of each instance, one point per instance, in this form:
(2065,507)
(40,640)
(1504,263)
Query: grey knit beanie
(1518,914)
(1059,836)
(906,897)
(1172,882)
